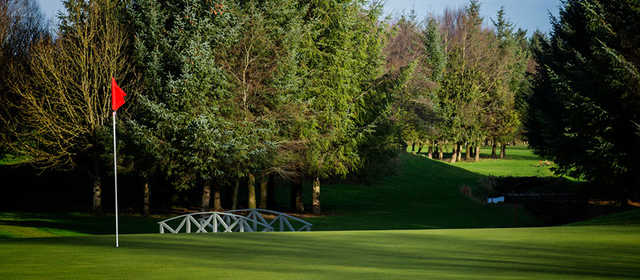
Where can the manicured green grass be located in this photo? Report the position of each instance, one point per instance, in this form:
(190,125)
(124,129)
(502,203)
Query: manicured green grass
(580,252)
(519,162)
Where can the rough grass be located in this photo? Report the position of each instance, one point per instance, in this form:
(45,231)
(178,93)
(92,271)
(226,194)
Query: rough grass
(580,252)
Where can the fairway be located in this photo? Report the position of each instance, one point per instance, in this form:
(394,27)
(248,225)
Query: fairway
(578,252)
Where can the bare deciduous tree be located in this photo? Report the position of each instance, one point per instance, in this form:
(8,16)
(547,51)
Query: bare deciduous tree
(64,104)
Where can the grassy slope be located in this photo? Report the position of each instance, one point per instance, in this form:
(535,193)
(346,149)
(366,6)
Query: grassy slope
(581,252)
(630,218)
(425,194)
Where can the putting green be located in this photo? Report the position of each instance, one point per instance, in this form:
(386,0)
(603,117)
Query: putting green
(572,252)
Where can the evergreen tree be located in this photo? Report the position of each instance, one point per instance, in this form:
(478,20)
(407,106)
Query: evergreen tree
(343,56)
(511,61)
(262,64)
(183,111)
(586,94)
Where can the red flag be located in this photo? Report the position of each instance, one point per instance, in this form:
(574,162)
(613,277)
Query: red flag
(117,95)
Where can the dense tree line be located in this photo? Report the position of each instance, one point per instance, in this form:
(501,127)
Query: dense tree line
(241,95)
(222,94)
(585,105)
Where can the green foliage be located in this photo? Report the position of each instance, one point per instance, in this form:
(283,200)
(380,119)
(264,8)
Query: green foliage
(287,88)
(343,56)
(466,79)
(434,50)
(381,142)
(182,117)
(586,99)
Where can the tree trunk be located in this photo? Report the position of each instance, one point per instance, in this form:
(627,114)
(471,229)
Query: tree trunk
(316,196)
(493,149)
(478,152)
(264,181)
(467,154)
(454,155)
(296,197)
(234,205)
(435,149)
(217,202)
(439,148)
(459,151)
(503,151)
(96,187)
(419,149)
(252,191)
(146,206)
(413,147)
(97,195)
(206,197)
(430,152)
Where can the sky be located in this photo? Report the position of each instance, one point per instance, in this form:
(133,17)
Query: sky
(526,14)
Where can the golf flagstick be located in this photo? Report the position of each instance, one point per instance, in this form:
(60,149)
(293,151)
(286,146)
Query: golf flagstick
(117,100)
(115,173)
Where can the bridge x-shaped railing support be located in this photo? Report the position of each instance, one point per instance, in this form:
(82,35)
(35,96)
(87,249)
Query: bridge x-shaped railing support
(233,221)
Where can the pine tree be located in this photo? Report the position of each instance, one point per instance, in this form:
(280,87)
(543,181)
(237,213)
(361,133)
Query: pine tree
(262,64)
(504,121)
(342,56)
(182,113)
(586,94)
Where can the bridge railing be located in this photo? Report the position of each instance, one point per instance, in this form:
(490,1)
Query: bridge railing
(211,222)
(281,221)
(242,220)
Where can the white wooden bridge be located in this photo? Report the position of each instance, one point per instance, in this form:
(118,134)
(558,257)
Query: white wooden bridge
(243,220)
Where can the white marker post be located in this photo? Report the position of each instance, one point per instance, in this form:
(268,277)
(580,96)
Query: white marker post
(115,172)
